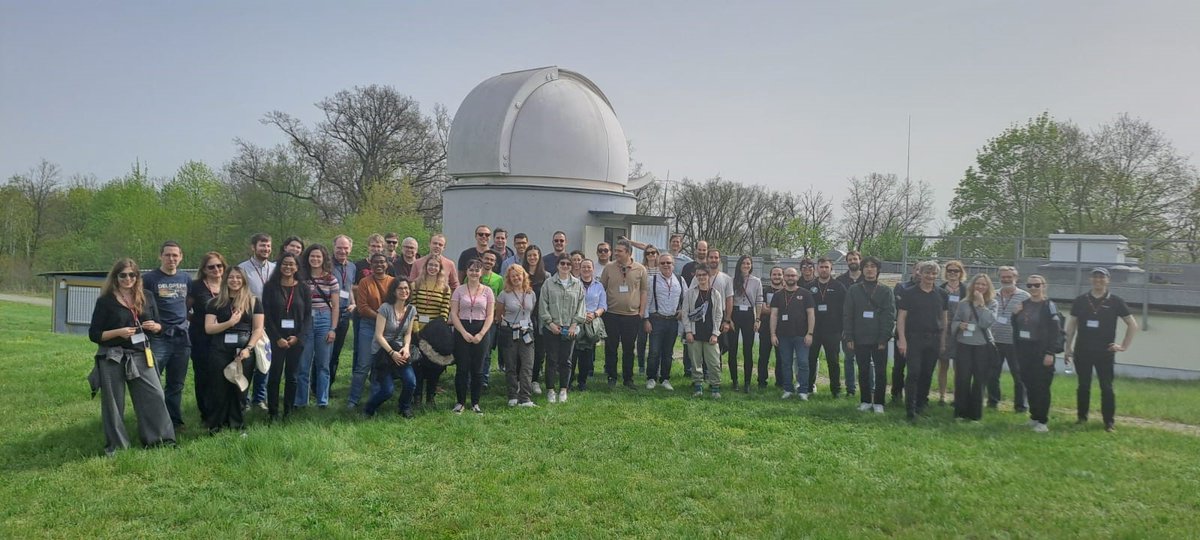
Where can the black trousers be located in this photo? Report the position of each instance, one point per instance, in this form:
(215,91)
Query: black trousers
(1102,362)
(428,374)
(743,325)
(469,359)
(864,355)
(764,355)
(899,365)
(204,373)
(585,361)
(972,364)
(1007,354)
(224,396)
(1037,378)
(832,343)
(622,332)
(285,365)
(559,354)
(922,359)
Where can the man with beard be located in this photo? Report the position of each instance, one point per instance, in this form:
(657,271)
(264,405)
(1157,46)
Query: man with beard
(829,298)
(849,278)
(764,330)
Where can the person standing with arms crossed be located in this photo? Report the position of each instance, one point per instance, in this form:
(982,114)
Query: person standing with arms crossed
(1092,344)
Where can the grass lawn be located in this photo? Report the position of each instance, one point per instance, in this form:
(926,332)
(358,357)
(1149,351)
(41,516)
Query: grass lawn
(620,463)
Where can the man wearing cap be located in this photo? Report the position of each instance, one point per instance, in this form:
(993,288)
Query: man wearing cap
(1091,342)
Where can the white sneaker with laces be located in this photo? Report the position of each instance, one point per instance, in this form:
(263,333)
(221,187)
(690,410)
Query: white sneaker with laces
(667,385)
(1040,428)
(512,403)
(553,396)
(562,396)
(785,395)
(864,406)
(537,388)
(527,404)
(878,408)
(650,384)
(803,396)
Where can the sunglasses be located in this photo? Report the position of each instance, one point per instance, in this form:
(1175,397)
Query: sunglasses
(483,234)
(214,267)
(953,271)
(127,275)
(1034,285)
(392,242)
(564,263)
(651,253)
(605,250)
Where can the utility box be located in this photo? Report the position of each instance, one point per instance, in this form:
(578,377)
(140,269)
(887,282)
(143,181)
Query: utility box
(1088,248)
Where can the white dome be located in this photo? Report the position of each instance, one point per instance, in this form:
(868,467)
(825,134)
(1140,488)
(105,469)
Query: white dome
(541,126)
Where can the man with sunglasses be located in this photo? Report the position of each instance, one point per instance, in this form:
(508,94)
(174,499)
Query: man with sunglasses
(483,238)
(1092,344)
(603,257)
(662,321)
(1010,297)
(550,261)
(391,244)
(171,346)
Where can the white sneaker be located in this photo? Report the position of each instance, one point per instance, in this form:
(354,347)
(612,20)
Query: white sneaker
(562,396)
(537,388)
(879,409)
(527,404)
(803,396)
(667,385)
(512,403)
(1032,423)
(650,384)
(553,396)
(864,406)
(1040,428)
(785,395)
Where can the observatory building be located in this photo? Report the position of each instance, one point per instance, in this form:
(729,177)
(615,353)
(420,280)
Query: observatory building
(537,151)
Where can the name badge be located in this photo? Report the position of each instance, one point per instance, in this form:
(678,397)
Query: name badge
(954,298)
(424,318)
(287,324)
(231,339)
(970,327)
(822,307)
(527,338)
(1002,320)
(1024,334)
(814,290)
(345,295)
(1093,324)
(623,289)
(516,334)
(770,296)
(968,333)
(868,314)
(783,317)
(743,308)
(138,338)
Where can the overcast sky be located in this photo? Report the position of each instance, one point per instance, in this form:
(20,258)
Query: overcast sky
(785,94)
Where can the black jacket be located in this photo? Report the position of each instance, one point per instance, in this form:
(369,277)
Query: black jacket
(1049,334)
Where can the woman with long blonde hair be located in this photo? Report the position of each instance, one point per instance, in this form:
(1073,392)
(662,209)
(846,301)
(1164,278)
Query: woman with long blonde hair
(120,320)
(431,298)
(235,321)
(514,311)
(973,319)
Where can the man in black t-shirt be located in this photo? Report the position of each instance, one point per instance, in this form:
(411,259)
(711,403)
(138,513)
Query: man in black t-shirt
(808,275)
(167,286)
(1092,342)
(770,289)
(899,361)
(829,298)
(921,325)
(793,318)
(689,269)
(483,237)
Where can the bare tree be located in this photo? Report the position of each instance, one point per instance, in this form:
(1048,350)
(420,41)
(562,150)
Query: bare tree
(877,203)
(37,188)
(367,135)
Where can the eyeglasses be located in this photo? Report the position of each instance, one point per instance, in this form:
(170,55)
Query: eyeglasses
(127,275)
(651,253)
(1034,285)
(214,267)
(564,263)
(666,263)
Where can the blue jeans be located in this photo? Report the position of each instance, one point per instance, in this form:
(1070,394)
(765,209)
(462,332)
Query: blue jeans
(364,336)
(662,344)
(489,341)
(171,358)
(793,359)
(383,385)
(315,356)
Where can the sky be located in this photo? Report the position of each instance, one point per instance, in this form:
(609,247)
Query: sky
(789,95)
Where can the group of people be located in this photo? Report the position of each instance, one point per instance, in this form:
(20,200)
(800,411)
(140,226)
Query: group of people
(249,326)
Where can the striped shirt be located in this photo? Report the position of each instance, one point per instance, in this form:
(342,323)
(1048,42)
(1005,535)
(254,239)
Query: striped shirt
(324,290)
(431,304)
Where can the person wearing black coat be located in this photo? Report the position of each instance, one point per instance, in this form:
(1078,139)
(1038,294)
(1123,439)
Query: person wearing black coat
(287,304)
(1038,335)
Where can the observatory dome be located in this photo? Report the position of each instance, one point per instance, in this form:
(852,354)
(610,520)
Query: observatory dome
(543,127)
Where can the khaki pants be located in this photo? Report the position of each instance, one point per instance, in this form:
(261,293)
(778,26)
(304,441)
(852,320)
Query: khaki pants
(706,363)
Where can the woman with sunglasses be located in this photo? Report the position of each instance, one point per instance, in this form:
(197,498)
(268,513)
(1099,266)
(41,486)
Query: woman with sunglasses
(537,276)
(200,291)
(472,309)
(431,298)
(234,322)
(957,292)
(650,261)
(392,352)
(1038,334)
(287,306)
(971,327)
(561,311)
(120,320)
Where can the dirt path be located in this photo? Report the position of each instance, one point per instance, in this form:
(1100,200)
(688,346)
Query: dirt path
(45,302)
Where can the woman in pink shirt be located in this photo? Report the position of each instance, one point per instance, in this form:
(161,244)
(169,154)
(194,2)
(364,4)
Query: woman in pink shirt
(472,308)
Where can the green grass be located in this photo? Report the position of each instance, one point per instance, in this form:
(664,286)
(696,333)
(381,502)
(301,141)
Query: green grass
(638,464)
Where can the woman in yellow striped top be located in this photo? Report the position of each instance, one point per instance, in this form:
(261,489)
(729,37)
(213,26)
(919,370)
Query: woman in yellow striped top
(431,297)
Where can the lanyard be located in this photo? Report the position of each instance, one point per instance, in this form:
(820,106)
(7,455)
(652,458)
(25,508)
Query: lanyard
(291,293)
(136,321)
(1005,301)
(471,297)
(258,270)
(342,271)
(823,288)
(1092,303)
